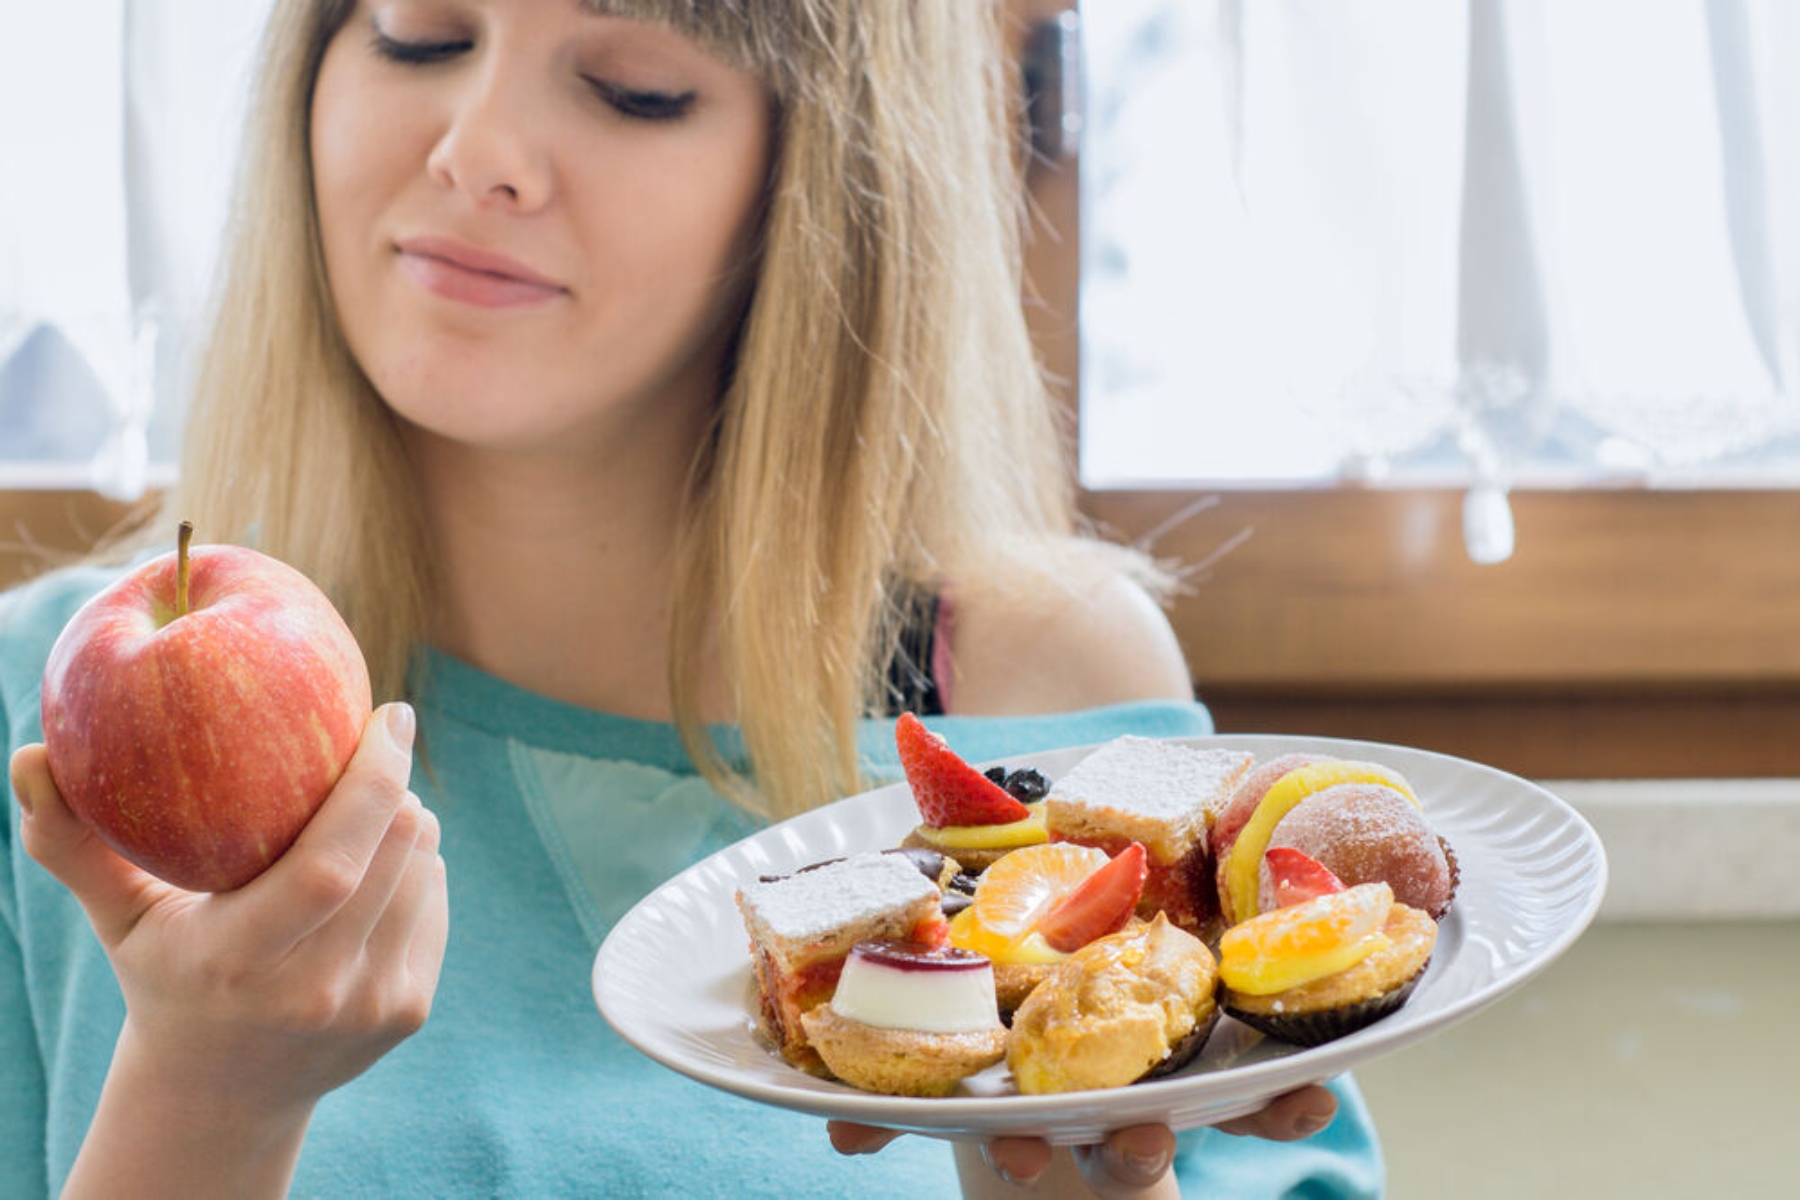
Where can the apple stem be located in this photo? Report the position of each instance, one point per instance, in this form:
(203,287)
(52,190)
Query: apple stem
(184,534)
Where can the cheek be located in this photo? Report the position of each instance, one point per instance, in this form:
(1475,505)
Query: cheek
(361,153)
(337,140)
(695,231)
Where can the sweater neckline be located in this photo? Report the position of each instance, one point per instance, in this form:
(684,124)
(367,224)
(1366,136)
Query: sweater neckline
(453,688)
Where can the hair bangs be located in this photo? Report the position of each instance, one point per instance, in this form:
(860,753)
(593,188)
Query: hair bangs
(767,37)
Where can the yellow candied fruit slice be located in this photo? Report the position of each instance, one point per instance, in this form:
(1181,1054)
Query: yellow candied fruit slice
(1243,866)
(1013,896)
(1026,831)
(967,933)
(1287,947)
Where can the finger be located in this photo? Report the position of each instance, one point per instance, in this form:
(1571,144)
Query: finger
(113,892)
(1016,1159)
(413,919)
(350,928)
(1289,1117)
(1129,1161)
(325,866)
(409,940)
(425,949)
(850,1138)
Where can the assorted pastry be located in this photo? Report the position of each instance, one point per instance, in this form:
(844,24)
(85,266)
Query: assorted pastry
(1090,931)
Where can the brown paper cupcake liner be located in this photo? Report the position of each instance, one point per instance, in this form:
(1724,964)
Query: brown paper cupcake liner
(1455,880)
(1187,1049)
(1325,1025)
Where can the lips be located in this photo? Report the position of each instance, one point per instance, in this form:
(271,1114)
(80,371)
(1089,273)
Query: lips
(466,274)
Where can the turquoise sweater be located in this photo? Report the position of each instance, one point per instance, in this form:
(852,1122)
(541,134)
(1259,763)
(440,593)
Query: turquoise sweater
(555,821)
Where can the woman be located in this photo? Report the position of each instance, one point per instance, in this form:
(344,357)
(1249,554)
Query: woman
(642,379)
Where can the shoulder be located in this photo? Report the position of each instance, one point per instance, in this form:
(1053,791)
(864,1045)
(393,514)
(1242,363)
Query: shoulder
(1060,645)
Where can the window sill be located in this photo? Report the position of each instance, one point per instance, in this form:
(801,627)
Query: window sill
(1694,849)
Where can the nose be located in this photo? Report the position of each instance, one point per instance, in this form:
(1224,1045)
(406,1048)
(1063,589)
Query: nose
(489,148)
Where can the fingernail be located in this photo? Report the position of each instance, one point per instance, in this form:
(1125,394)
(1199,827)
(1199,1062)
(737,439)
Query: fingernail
(1148,1167)
(25,801)
(1310,1123)
(401,724)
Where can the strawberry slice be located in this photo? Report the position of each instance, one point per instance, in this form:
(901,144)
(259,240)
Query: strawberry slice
(1298,876)
(1102,903)
(948,790)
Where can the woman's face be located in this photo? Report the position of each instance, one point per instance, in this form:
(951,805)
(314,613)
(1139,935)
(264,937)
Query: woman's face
(535,220)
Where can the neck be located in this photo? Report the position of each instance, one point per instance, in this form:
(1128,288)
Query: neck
(556,573)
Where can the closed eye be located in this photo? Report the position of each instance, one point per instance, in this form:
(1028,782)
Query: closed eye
(417,53)
(644,105)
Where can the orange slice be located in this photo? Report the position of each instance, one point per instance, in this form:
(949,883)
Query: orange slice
(1244,864)
(1287,947)
(1013,896)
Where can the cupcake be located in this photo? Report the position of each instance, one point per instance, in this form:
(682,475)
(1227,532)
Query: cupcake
(1326,966)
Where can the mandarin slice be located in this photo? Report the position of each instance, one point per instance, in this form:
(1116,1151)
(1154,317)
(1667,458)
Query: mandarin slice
(1243,866)
(1287,947)
(1013,896)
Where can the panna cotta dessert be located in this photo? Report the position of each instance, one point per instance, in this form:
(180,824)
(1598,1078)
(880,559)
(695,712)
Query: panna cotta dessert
(908,1019)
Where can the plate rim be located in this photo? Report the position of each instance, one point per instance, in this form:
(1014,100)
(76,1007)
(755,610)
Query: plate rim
(967,1117)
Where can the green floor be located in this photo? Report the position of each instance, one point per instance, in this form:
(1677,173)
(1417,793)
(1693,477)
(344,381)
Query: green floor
(1651,1061)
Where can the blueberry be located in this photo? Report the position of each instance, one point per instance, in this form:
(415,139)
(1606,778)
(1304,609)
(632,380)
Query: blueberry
(1026,785)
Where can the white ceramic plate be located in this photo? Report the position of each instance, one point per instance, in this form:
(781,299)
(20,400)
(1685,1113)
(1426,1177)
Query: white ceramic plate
(674,976)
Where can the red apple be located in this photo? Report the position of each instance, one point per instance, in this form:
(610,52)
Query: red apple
(197,712)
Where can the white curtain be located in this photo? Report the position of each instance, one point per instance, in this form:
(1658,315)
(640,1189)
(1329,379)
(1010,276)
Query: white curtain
(1495,241)
(119,123)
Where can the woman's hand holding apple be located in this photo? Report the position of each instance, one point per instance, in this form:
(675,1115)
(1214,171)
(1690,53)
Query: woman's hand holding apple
(244,1007)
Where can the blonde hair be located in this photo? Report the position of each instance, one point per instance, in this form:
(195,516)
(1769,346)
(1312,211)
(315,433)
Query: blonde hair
(884,422)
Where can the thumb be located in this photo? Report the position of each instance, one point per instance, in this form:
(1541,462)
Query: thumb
(113,891)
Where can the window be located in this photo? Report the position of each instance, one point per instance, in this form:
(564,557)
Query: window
(115,189)
(1421,242)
